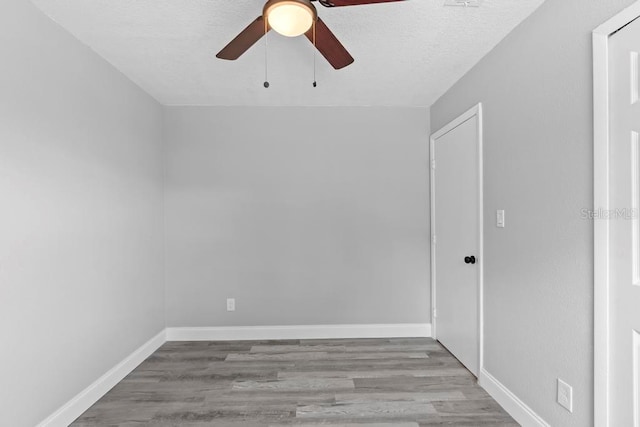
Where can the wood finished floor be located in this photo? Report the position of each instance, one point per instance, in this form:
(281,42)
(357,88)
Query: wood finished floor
(364,382)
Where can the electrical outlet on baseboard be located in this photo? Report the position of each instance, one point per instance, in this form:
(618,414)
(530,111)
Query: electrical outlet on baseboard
(231,304)
(565,395)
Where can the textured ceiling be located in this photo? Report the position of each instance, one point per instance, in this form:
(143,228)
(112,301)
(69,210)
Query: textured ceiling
(406,53)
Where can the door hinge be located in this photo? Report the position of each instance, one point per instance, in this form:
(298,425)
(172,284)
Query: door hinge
(433,163)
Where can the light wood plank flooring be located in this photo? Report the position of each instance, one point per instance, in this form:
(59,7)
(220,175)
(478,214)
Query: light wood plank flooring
(360,382)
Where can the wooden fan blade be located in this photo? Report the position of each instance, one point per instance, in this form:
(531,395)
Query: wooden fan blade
(329,46)
(243,41)
(340,3)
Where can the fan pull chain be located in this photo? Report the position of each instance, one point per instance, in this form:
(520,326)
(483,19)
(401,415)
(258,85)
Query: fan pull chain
(266,50)
(315,52)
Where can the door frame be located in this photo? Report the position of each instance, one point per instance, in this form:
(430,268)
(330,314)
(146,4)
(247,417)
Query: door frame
(601,247)
(475,111)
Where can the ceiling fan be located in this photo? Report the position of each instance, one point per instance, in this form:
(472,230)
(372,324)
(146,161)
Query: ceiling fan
(293,18)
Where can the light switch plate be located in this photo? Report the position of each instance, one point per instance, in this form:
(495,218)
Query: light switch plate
(500,219)
(565,395)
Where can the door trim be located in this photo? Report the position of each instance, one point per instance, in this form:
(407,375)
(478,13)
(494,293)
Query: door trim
(601,201)
(475,111)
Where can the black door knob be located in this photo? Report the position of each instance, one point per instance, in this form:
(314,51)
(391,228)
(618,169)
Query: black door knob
(470,259)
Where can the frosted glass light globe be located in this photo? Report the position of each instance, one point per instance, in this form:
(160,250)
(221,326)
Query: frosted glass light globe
(290,18)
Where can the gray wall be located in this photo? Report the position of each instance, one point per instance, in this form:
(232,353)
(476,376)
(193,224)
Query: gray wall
(536,87)
(304,215)
(81,219)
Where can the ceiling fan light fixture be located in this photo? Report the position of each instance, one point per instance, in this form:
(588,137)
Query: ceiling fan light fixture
(290,18)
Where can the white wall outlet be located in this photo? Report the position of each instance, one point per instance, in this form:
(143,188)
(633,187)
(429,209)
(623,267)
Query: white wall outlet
(565,395)
(500,218)
(231,304)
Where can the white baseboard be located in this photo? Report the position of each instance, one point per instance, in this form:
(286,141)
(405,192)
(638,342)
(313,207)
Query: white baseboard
(86,398)
(520,412)
(403,330)
(90,395)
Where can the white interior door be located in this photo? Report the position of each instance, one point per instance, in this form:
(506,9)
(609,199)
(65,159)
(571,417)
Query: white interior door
(456,225)
(625,226)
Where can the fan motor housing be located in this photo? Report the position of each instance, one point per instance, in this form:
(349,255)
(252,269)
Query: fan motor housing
(306,3)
